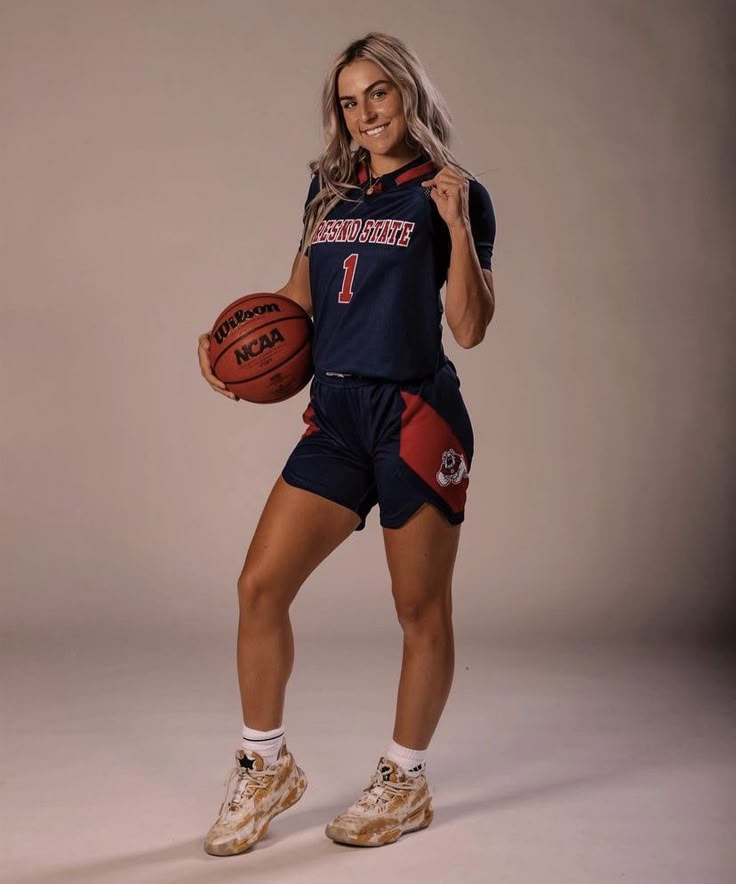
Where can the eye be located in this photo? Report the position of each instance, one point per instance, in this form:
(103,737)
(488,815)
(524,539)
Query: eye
(347,104)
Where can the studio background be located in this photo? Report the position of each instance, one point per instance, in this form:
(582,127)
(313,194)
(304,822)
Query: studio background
(154,168)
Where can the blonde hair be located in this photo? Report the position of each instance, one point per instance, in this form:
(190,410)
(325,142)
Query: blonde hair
(428,123)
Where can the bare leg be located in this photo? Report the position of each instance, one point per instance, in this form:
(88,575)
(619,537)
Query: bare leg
(297,530)
(421,557)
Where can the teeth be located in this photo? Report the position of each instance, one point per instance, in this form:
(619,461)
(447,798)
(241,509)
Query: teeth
(376,131)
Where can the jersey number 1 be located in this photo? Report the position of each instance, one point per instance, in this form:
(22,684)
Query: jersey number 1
(346,292)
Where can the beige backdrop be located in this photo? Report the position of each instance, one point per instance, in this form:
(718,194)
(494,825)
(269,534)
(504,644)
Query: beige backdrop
(154,167)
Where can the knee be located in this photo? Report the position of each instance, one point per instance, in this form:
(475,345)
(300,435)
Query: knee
(258,597)
(424,617)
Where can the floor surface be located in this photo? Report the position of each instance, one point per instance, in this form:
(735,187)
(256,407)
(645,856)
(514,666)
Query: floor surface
(575,765)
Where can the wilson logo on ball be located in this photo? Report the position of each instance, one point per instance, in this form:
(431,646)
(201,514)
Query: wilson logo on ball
(255,348)
(241,316)
(261,347)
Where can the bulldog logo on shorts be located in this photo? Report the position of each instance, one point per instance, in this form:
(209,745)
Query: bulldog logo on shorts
(453,468)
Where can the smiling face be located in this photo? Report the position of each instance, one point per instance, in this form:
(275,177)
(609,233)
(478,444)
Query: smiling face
(374,112)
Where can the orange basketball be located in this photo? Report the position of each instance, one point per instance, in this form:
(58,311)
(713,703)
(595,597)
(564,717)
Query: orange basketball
(261,347)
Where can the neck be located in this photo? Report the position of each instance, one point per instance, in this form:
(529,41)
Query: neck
(381,164)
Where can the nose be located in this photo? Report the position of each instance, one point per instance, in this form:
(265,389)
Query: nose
(367,113)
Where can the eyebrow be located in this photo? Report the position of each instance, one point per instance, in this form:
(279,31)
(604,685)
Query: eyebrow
(367,89)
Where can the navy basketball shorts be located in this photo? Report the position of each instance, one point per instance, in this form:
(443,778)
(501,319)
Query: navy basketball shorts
(400,445)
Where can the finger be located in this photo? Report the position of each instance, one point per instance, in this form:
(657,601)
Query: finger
(206,368)
(225,392)
(448,175)
(214,381)
(443,185)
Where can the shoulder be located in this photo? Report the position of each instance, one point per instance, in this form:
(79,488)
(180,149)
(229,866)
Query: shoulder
(480,210)
(479,196)
(313,186)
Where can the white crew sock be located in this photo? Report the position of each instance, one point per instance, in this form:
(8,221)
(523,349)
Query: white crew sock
(266,743)
(412,761)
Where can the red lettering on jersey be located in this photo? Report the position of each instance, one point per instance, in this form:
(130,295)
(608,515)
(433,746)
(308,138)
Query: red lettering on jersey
(377,229)
(381,231)
(395,228)
(346,292)
(368,226)
(353,230)
(407,227)
(320,233)
(385,230)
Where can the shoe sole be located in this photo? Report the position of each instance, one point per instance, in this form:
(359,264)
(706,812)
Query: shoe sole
(287,801)
(420,819)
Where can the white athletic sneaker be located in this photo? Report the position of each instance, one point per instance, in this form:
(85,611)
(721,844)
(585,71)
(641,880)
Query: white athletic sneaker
(391,805)
(254,794)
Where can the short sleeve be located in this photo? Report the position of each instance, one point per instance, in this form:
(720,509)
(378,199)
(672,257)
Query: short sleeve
(482,222)
(311,193)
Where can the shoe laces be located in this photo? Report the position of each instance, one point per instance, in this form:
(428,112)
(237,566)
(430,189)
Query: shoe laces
(380,791)
(244,783)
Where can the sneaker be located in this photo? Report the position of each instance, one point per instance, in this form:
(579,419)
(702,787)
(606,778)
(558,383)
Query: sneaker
(254,794)
(391,804)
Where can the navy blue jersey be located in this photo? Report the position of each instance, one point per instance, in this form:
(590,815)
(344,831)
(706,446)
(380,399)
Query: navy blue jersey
(376,268)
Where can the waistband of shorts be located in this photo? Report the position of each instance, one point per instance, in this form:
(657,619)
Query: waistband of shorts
(350,379)
(347,379)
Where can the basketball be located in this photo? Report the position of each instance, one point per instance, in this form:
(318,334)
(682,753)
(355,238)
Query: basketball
(261,347)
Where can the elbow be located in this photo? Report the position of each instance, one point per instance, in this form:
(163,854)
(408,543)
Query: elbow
(470,338)
(468,342)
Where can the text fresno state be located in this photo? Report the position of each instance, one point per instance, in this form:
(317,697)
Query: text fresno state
(382,231)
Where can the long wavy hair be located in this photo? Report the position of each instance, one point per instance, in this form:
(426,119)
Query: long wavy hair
(428,123)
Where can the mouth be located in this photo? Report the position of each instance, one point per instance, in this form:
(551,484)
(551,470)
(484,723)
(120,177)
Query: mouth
(375,131)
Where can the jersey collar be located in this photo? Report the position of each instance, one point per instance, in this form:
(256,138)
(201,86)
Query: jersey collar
(419,167)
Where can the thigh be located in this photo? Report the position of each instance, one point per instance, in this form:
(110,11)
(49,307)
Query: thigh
(295,532)
(421,558)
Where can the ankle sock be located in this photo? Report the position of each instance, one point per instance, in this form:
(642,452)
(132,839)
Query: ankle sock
(412,761)
(266,743)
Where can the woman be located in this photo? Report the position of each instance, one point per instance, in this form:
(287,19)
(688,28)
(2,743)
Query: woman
(388,219)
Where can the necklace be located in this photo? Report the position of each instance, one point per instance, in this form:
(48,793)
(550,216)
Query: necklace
(372,182)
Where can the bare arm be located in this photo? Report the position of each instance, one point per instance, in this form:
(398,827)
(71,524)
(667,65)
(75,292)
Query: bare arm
(470,300)
(297,288)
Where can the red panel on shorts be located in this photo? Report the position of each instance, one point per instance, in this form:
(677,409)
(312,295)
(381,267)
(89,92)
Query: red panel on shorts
(430,447)
(308,418)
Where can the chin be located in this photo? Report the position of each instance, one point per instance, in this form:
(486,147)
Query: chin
(381,149)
